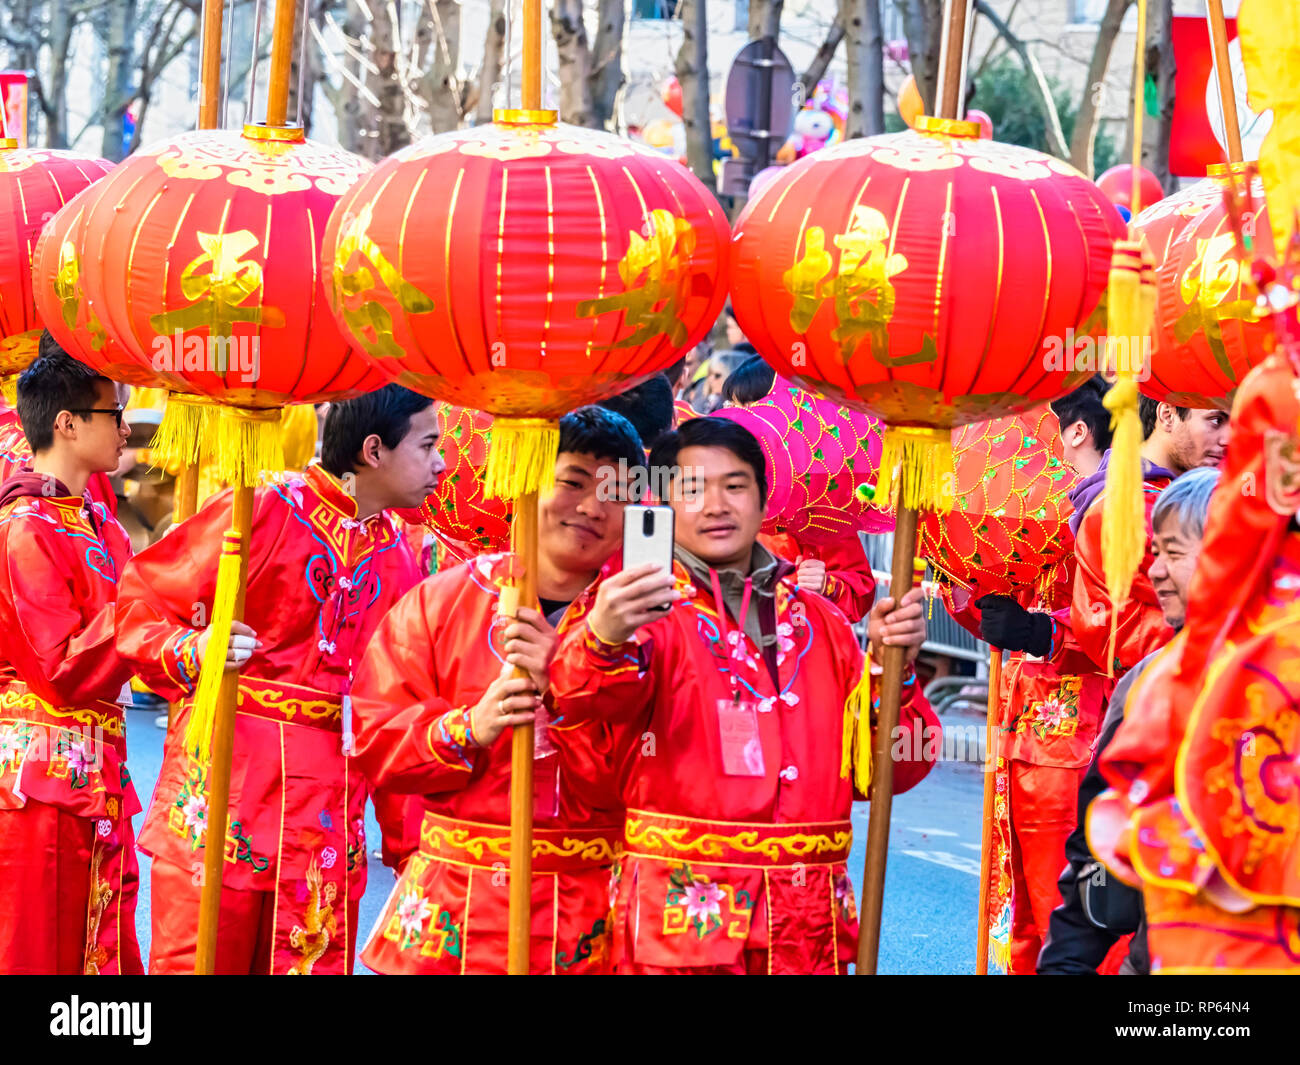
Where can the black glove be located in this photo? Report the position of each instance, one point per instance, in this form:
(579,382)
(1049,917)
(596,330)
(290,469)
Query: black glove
(1007,625)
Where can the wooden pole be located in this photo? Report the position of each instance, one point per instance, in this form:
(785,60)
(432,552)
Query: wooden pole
(223,744)
(1139,108)
(531,84)
(882,764)
(986,834)
(1227,91)
(521,763)
(210,66)
(185,501)
(277,92)
(953,69)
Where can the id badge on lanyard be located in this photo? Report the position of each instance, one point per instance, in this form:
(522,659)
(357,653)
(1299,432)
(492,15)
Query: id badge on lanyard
(742,745)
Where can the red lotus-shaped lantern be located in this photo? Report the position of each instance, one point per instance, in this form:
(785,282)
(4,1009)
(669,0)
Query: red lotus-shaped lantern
(34,185)
(1009,527)
(526,268)
(199,258)
(822,461)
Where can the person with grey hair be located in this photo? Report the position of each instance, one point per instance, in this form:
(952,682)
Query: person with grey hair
(1096,910)
(721,364)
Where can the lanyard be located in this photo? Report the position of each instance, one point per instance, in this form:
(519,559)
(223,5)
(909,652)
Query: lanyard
(721,605)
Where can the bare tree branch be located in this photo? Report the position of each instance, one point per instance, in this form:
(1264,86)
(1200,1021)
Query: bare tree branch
(1055,135)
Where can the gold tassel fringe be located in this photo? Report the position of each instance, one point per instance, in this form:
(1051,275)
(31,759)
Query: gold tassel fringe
(521,458)
(916,468)
(248,443)
(182,431)
(9,386)
(203,711)
(855,751)
(1131,298)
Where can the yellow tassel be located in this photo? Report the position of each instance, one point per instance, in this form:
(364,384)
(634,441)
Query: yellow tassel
(521,458)
(9,386)
(1131,302)
(179,439)
(916,468)
(855,751)
(247,443)
(203,711)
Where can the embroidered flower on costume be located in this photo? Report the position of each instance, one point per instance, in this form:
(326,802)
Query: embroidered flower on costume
(195,812)
(103,828)
(703,900)
(293,489)
(784,639)
(412,911)
(11,743)
(1052,713)
(344,583)
(326,647)
(740,650)
(328,857)
(79,759)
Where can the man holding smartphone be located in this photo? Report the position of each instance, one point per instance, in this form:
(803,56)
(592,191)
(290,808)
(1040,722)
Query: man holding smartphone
(723,724)
(433,703)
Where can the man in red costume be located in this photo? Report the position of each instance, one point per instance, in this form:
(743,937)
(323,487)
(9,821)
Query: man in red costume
(434,699)
(1050,714)
(68,875)
(326,561)
(722,724)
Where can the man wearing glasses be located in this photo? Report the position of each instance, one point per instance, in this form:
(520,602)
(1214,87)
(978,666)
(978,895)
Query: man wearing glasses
(67,896)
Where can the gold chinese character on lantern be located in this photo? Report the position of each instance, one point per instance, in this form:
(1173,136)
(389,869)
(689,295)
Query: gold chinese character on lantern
(217,293)
(1216,273)
(370,320)
(653,307)
(67,288)
(861,289)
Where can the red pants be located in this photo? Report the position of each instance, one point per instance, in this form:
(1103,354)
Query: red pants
(245,926)
(1043,808)
(45,896)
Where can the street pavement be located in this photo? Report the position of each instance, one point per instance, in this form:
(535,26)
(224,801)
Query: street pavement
(931,881)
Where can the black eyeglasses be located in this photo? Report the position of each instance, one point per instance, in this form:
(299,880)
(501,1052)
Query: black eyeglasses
(116,412)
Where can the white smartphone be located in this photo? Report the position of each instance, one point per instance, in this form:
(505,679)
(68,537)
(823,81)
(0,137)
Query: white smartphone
(647,536)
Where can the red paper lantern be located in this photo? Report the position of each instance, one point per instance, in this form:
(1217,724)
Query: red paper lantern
(927,277)
(526,268)
(34,184)
(983,120)
(672,95)
(63,307)
(201,256)
(1116,185)
(1009,527)
(1208,332)
(1160,223)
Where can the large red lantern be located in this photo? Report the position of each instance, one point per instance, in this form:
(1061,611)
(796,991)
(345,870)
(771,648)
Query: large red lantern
(526,268)
(1009,528)
(1116,185)
(34,184)
(1208,332)
(928,277)
(200,258)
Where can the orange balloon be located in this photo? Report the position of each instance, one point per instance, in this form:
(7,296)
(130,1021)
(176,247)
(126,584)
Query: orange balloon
(910,105)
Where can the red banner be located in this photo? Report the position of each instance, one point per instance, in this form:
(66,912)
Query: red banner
(13,105)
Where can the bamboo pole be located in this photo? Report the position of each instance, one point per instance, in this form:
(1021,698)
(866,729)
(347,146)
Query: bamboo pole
(223,745)
(531,85)
(953,60)
(210,66)
(1227,91)
(882,763)
(1139,107)
(519,936)
(277,91)
(986,834)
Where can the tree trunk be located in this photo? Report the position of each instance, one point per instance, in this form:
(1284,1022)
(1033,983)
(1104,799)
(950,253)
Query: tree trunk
(764,18)
(606,76)
(1157,129)
(570,32)
(346,98)
(1094,92)
(117,80)
(822,60)
(693,75)
(55,93)
(864,45)
(388,119)
(923,24)
(493,68)
(441,85)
